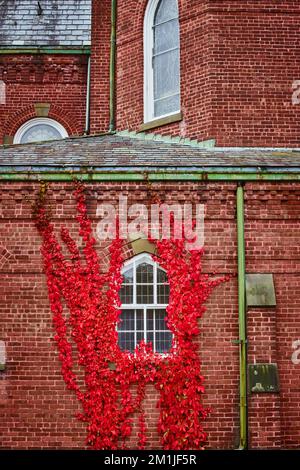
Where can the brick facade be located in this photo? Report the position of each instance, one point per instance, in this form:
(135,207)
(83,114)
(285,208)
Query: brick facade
(101,14)
(238,64)
(59,80)
(37,410)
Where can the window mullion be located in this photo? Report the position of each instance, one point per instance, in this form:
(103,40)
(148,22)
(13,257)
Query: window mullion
(166,21)
(155,284)
(166,96)
(156,54)
(135,339)
(134,285)
(145,324)
(154,332)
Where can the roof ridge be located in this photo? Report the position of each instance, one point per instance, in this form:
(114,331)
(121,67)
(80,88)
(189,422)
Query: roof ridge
(168,139)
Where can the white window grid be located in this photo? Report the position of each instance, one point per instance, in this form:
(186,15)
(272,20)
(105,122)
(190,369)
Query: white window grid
(145,331)
(144,307)
(35,122)
(148,63)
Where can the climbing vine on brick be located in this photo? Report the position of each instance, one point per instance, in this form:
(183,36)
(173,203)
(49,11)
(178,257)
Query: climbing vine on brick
(112,395)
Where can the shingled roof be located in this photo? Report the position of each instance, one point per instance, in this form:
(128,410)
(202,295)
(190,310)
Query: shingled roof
(124,153)
(45,23)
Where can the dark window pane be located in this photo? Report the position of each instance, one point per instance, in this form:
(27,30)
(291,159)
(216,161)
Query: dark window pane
(163,293)
(144,273)
(126,341)
(163,341)
(126,294)
(150,337)
(150,324)
(139,337)
(144,294)
(126,320)
(139,320)
(161,276)
(160,322)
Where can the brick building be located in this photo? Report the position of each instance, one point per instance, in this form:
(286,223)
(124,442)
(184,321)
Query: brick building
(192,101)
(45,50)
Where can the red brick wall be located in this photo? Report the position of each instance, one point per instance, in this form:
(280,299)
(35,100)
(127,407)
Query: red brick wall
(37,410)
(100,55)
(238,63)
(255,62)
(272,245)
(59,80)
(195,40)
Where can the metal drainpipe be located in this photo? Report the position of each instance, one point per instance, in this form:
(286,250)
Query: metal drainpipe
(88,98)
(112,71)
(242,315)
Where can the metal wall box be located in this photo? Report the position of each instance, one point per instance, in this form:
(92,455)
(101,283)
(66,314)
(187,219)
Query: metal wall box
(263,378)
(260,291)
(2,355)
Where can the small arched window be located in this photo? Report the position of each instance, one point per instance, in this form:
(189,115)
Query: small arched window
(144,296)
(39,130)
(161,59)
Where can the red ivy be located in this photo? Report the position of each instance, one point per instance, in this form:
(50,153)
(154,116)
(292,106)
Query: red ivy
(108,401)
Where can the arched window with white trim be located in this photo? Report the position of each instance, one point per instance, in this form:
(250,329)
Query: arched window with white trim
(161,59)
(144,296)
(39,130)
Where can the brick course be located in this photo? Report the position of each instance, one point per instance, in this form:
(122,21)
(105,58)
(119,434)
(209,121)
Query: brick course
(37,410)
(238,64)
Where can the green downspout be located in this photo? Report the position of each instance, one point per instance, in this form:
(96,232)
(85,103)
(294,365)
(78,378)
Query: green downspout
(112,68)
(242,315)
(88,98)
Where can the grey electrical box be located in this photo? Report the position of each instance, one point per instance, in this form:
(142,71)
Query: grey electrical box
(263,378)
(260,291)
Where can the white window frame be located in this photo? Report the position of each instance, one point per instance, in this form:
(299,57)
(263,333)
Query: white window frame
(132,264)
(37,121)
(148,68)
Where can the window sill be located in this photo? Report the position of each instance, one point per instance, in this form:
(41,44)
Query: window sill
(161,122)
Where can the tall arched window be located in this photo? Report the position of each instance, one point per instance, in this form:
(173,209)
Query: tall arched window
(144,296)
(161,59)
(39,130)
